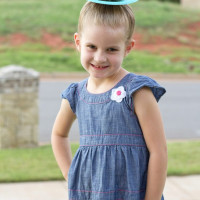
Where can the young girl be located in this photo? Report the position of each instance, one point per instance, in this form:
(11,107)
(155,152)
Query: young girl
(122,153)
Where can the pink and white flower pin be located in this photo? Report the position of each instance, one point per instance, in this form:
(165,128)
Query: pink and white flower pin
(118,94)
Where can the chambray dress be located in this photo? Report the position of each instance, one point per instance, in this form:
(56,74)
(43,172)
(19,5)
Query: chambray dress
(112,160)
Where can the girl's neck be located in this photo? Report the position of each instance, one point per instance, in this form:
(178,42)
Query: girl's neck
(97,85)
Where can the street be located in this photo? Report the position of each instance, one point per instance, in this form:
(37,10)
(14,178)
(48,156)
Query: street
(180,109)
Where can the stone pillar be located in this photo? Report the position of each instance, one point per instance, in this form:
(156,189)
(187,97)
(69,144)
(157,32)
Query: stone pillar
(19,116)
(191,4)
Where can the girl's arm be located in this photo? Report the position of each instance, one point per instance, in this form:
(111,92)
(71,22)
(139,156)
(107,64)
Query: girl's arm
(59,138)
(148,113)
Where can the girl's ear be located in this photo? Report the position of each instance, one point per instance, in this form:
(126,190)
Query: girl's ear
(129,47)
(77,41)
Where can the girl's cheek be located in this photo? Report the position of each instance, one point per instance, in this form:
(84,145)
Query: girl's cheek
(88,55)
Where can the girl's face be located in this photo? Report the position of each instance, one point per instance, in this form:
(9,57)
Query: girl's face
(102,49)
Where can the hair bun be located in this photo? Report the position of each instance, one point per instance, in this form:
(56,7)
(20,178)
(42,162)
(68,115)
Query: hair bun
(114,2)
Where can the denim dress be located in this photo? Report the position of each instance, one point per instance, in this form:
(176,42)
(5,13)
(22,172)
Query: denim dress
(111,162)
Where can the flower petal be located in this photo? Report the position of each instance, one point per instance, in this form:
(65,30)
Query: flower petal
(118,94)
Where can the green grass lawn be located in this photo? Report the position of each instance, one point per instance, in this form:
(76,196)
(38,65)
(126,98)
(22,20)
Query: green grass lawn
(163,18)
(33,17)
(38,164)
(42,59)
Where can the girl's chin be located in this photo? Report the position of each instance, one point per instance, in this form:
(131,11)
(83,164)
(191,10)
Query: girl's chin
(97,75)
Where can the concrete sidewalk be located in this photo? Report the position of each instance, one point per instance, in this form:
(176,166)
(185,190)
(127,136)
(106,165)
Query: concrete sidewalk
(177,188)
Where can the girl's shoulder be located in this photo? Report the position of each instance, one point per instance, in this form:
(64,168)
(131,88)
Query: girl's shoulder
(73,88)
(136,82)
(139,79)
(70,93)
(70,90)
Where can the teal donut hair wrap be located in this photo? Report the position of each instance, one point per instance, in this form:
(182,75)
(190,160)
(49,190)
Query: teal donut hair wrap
(114,2)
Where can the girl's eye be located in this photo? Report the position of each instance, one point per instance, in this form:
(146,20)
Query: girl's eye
(112,49)
(91,46)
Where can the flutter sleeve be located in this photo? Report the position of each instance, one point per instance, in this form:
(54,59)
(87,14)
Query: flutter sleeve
(139,82)
(70,95)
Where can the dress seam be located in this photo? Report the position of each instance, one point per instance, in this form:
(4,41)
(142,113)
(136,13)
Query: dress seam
(106,101)
(138,135)
(113,145)
(131,191)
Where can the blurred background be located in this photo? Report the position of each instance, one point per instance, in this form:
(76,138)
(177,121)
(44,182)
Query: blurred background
(38,35)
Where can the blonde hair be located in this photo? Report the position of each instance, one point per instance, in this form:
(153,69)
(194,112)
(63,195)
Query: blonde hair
(108,15)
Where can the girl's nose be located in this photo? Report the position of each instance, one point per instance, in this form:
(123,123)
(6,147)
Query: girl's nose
(99,57)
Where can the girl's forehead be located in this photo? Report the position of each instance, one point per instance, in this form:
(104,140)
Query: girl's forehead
(103,32)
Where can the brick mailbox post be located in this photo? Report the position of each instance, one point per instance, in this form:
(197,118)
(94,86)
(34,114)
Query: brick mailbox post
(18,107)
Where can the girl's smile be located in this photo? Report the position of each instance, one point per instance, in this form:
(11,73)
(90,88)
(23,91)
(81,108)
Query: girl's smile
(99,67)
